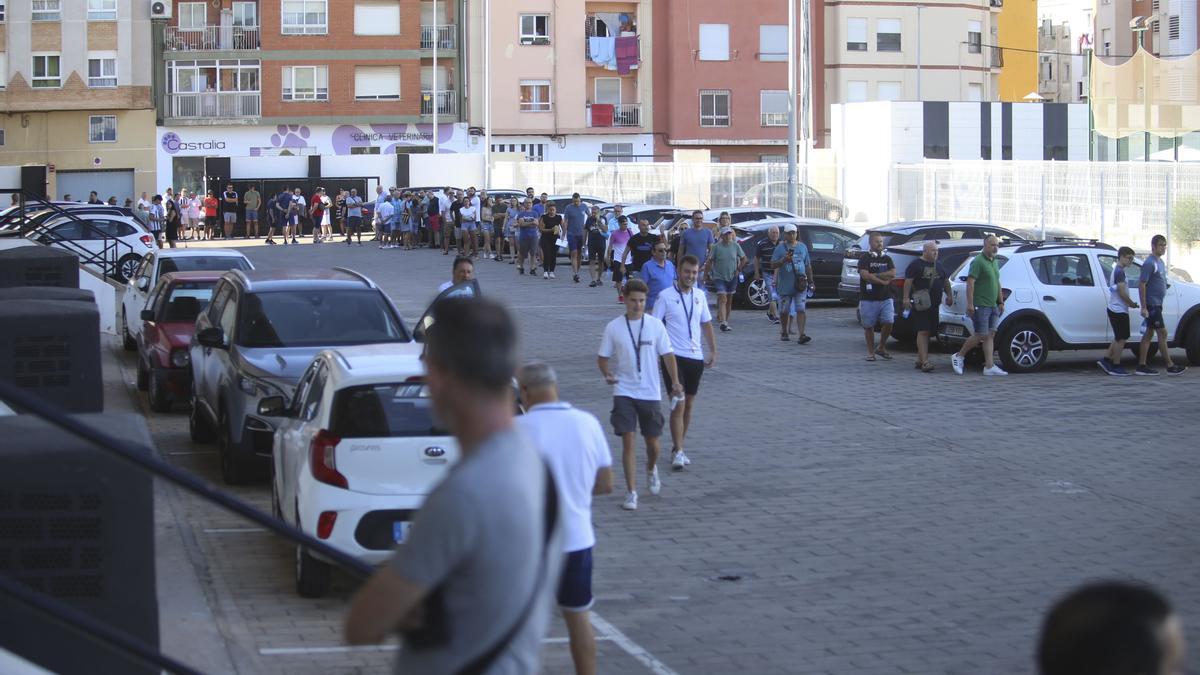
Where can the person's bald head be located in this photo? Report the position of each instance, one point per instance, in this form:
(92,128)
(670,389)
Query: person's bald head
(538,382)
(929,252)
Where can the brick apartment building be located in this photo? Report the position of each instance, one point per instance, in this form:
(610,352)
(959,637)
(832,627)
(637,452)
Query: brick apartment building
(294,89)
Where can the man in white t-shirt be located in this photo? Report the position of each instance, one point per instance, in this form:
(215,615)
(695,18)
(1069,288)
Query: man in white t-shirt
(572,443)
(683,309)
(634,342)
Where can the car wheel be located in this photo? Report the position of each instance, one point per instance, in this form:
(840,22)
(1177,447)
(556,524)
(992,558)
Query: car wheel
(126,338)
(1024,347)
(127,266)
(312,575)
(160,401)
(235,470)
(1193,342)
(755,294)
(143,375)
(198,427)
(1135,348)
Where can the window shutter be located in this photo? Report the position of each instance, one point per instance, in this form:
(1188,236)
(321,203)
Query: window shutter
(377,82)
(376,17)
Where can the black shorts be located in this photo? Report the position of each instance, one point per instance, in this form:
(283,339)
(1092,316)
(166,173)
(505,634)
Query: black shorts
(631,414)
(1120,324)
(616,271)
(925,320)
(1155,320)
(575,584)
(595,245)
(690,372)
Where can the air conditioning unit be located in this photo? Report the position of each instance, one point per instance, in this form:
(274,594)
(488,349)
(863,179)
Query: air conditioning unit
(160,9)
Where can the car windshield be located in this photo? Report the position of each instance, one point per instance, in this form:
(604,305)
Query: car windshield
(961,273)
(325,318)
(187,300)
(202,263)
(864,242)
(385,411)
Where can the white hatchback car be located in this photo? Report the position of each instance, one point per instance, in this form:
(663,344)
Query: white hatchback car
(162,261)
(1056,298)
(356,454)
(112,244)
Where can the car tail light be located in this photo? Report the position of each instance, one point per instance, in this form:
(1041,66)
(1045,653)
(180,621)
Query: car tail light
(325,524)
(147,240)
(322,454)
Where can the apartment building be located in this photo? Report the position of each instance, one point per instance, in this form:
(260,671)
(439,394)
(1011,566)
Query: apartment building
(1017,38)
(566,80)
(1174,27)
(76,94)
(1056,73)
(305,88)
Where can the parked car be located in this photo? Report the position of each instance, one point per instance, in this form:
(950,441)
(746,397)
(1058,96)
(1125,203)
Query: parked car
(917,230)
(809,202)
(163,261)
(636,212)
(826,242)
(47,215)
(671,223)
(357,450)
(1056,298)
(113,245)
(165,327)
(257,337)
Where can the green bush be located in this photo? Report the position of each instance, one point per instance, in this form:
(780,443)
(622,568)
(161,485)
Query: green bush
(1185,222)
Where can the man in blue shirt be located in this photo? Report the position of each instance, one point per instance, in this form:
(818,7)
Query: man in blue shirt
(793,277)
(576,215)
(697,240)
(658,273)
(1152,286)
(527,236)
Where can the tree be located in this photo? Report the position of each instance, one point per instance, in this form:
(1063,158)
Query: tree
(1185,222)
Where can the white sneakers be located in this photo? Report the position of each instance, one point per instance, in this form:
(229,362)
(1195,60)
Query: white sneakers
(679,459)
(994,370)
(545,275)
(654,482)
(630,501)
(956,362)
(552,275)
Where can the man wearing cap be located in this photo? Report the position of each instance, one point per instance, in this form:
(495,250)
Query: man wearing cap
(793,276)
(724,268)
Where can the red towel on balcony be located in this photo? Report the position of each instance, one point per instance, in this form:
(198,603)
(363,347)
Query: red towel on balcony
(627,54)
(602,114)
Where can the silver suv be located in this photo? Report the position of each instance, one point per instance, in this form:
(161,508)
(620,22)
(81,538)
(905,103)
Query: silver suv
(255,339)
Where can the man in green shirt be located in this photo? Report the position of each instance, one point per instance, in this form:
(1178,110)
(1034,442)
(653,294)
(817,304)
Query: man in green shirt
(724,268)
(252,200)
(985,304)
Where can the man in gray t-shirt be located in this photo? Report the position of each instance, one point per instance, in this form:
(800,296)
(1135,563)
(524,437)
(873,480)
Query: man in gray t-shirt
(480,537)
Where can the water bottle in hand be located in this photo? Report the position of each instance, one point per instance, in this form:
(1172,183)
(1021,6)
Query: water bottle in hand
(906,313)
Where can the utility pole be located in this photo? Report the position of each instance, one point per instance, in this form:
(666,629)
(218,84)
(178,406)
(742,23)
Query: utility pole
(792,113)
(487,96)
(436,45)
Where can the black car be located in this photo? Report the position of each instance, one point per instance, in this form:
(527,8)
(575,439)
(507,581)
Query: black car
(894,234)
(826,241)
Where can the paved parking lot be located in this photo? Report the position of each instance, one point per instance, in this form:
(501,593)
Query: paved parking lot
(839,516)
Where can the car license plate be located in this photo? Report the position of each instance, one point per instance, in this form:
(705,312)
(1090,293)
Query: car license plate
(953,329)
(399,531)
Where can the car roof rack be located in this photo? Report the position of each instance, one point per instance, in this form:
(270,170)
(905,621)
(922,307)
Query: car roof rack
(1065,242)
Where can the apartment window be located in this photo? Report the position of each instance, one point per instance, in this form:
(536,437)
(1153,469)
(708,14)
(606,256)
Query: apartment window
(305,83)
(1106,42)
(192,16)
(1,19)
(45,71)
(889,91)
(102,129)
(365,150)
(772,43)
(617,152)
(102,69)
(856,34)
(714,107)
(1047,68)
(974,37)
(887,35)
(102,10)
(1,138)
(47,10)
(974,91)
(772,159)
(856,91)
(245,14)
(377,17)
(773,108)
(305,17)
(377,83)
(714,42)
(535,96)
(535,29)
(3,71)
(1173,27)
(607,90)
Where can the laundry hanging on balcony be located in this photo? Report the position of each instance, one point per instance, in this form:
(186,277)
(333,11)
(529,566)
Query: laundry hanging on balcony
(626,49)
(603,52)
(602,114)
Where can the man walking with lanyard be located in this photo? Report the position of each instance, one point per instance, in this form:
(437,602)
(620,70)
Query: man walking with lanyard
(684,311)
(631,345)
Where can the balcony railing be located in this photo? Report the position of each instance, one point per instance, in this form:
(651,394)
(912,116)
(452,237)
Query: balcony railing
(447,102)
(624,115)
(210,38)
(445,36)
(215,104)
(774,119)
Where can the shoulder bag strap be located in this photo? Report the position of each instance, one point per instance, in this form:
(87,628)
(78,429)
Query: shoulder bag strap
(481,664)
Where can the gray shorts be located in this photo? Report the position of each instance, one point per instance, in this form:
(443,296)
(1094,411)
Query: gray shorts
(526,246)
(873,312)
(986,320)
(230,217)
(631,414)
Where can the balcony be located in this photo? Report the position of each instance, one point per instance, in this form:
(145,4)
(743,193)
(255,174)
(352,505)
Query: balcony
(447,103)
(210,38)
(624,115)
(445,36)
(773,119)
(214,105)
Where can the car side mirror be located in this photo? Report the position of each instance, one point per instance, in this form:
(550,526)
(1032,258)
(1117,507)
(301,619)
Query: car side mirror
(147,315)
(272,406)
(211,337)
(143,283)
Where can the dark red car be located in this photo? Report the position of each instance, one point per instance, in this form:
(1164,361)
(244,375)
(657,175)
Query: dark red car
(168,322)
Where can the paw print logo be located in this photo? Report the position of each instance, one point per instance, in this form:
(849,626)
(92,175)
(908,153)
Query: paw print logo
(171,142)
(289,137)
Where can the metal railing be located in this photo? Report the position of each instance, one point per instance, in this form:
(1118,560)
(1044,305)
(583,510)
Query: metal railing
(446,36)
(624,115)
(447,102)
(210,38)
(773,119)
(208,104)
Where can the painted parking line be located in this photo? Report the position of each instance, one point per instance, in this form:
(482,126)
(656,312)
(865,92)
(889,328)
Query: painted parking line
(232,530)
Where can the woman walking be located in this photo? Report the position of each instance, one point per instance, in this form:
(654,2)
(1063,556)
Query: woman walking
(551,229)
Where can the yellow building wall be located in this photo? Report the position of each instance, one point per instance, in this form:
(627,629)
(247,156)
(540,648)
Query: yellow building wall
(1018,31)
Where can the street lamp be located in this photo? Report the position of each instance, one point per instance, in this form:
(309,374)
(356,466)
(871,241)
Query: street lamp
(1139,25)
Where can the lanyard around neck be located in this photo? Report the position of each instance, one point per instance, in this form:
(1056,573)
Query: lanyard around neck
(688,310)
(637,344)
